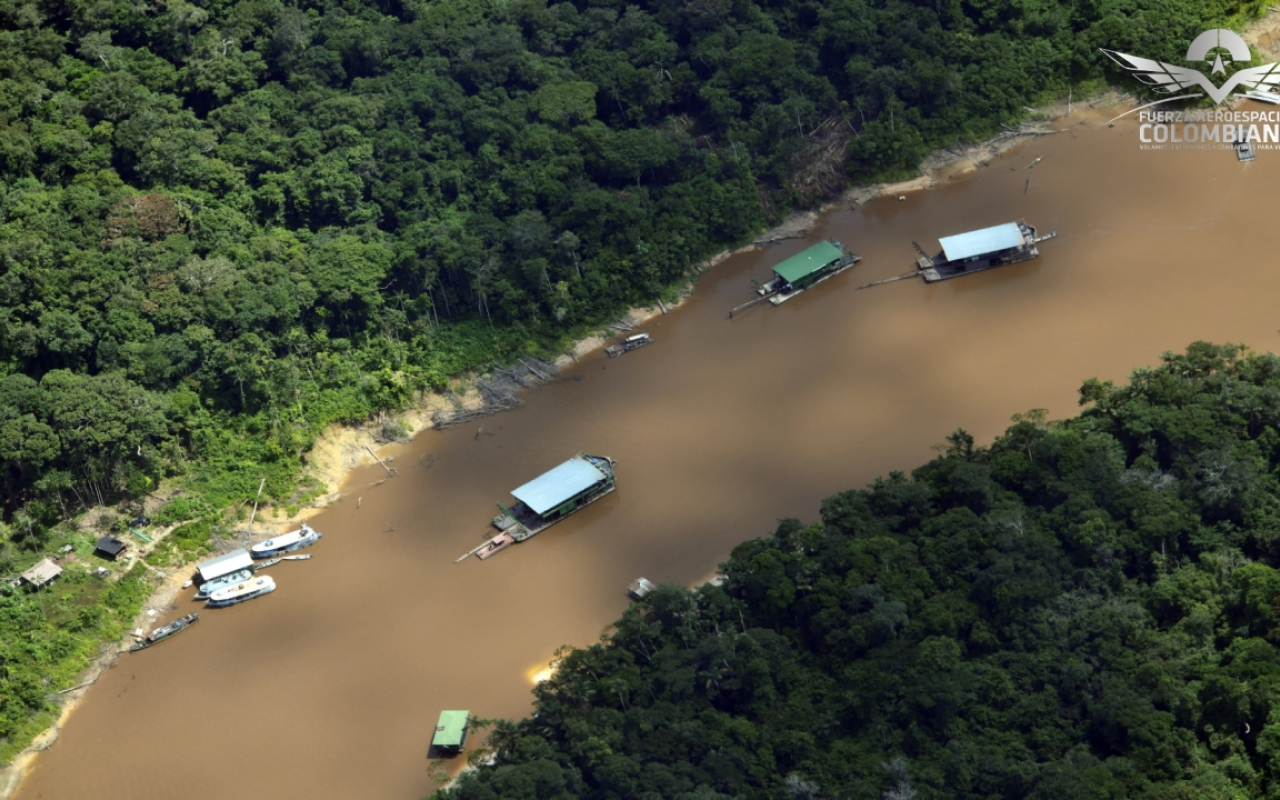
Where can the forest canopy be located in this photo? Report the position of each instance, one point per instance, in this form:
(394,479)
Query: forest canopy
(1086,608)
(224,225)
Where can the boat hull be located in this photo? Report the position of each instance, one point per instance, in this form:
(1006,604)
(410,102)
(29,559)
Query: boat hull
(209,587)
(241,593)
(278,545)
(166,632)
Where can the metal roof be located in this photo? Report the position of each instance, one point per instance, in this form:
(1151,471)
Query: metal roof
(811,260)
(41,573)
(550,489)
(225,565)
(450,728)
(108,544)
(987,240)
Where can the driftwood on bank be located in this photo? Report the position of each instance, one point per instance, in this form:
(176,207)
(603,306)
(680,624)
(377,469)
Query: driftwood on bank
(498,387)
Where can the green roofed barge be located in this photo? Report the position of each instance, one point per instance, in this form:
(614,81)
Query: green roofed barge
(807,269)
(451,732)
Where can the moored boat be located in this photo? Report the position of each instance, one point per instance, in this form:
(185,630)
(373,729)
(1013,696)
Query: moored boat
(164,632)
(286,542)
(628,344)
(241,592)
(451,732)
(209,587)
(261,565)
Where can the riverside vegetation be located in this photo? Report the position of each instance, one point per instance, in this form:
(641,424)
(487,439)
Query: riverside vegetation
(226,225)
(1084,609)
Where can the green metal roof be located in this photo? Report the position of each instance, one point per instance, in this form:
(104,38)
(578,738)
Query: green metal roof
(450,728)
(811,260)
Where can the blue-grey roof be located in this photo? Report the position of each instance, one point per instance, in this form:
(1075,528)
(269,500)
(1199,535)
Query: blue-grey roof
(550,489)
(987,240)
(225,565)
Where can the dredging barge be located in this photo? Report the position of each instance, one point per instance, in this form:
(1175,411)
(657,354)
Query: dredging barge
(549,498)
(802,271)
(980,250)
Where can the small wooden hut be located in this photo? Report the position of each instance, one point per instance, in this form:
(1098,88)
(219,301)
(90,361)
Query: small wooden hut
(109,547)
(41,575)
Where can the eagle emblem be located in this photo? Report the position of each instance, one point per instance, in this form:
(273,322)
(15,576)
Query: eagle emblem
(1168,78)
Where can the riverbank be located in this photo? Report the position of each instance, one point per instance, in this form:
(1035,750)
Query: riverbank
(162,600)
(719,432)
(345,448)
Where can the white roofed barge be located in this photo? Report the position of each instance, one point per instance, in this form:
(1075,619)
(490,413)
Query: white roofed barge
(549,498)
(981,250)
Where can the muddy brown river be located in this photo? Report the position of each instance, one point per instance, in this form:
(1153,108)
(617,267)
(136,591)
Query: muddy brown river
(330,687)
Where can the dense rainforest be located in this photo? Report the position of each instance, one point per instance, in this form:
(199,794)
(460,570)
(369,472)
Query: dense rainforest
(1083,609)
(225,225)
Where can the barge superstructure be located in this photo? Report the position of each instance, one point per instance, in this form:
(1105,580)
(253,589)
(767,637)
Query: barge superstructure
(549,498)
(980,250)
(802,271)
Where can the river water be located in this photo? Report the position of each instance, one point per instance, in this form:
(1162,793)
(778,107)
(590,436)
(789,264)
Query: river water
(330,687)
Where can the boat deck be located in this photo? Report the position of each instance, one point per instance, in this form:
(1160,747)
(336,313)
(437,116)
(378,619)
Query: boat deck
(520,523)
(943,272)
(777,297)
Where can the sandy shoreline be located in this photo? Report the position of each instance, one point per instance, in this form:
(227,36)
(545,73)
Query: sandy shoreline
(342,448)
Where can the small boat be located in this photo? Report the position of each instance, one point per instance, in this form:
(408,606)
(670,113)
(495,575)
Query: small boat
(260,565)
(241,592)
(209,587)
(640,589)
(304,557)
(1263,96)
(500,542)
(162,633)
(287,542)
(1245,151)
(628,344)
(451,732)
